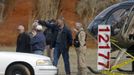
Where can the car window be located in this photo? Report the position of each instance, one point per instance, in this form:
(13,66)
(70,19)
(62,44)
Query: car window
(104,12)
(116,20)
(116,16)
(129,19)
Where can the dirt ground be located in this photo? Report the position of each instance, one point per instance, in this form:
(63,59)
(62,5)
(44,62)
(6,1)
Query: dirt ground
(91,58)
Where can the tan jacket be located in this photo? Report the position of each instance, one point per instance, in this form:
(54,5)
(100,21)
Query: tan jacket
(82,38)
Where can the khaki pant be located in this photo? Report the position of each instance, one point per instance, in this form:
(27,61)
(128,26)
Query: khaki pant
(81,61)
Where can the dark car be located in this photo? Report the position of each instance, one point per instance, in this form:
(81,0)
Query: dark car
(120,17)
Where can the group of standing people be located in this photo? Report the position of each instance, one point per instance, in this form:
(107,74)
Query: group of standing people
(33,42)
(57,38)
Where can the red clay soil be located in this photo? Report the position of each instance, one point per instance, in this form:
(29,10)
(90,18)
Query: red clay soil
(20,14)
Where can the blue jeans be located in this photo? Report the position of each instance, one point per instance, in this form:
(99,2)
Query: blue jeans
(57,52)
(39,52)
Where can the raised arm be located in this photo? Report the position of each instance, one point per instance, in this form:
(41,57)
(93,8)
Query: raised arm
(46,24)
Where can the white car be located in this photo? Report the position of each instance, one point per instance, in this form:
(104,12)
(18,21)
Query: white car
(12,63)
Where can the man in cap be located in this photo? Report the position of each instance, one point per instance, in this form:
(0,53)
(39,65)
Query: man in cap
(23,40)
(38,40)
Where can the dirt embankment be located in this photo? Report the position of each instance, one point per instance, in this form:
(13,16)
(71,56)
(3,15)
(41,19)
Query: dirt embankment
(20,14)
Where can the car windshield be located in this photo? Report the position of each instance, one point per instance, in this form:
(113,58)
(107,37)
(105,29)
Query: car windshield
(93,27)
(104,12)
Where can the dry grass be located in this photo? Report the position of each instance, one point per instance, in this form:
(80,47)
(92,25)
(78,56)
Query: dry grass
(90,58)
(5,48)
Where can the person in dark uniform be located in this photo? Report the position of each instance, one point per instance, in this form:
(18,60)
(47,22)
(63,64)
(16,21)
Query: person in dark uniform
(23,41)
(63,41)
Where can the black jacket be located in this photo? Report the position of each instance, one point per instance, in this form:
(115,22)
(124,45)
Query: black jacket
(66,35)
(38,42)
(23,43)
(54,28)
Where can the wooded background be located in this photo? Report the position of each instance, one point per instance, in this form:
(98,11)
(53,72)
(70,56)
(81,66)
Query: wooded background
(15,12)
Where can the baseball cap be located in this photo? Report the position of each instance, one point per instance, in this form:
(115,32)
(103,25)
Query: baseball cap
(39,27)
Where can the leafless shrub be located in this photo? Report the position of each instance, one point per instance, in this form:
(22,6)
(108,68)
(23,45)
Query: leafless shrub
(5,5)
(46,9)
(87,9)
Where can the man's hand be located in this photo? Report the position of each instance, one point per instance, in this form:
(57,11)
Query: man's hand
(34,33)
(75,30)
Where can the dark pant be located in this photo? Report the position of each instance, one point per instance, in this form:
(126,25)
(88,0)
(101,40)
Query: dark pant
(57,52)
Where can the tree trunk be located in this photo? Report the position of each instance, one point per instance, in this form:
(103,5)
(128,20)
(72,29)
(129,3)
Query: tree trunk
(47,9)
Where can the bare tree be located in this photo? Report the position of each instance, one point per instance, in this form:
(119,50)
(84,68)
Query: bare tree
(87,9)
(47,9)
(2,6)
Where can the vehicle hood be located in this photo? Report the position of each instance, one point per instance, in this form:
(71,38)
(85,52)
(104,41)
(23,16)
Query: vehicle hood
(21,57)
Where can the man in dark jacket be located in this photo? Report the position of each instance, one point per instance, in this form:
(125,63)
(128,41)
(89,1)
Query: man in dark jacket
(38,41)
(62,42)
(54,28)
(23,40)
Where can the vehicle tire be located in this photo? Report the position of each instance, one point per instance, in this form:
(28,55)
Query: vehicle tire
(18,69)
